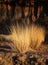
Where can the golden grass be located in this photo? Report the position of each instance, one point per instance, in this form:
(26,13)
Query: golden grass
(25,38)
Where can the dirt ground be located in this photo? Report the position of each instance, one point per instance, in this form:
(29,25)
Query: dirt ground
(40,57)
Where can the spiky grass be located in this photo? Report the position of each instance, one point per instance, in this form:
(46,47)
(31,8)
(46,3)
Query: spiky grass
(26,38)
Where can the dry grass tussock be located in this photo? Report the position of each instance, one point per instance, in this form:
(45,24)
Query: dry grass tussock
(26,38)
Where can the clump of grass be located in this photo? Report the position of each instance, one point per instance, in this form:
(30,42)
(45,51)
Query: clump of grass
(25,38)
(37,36)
